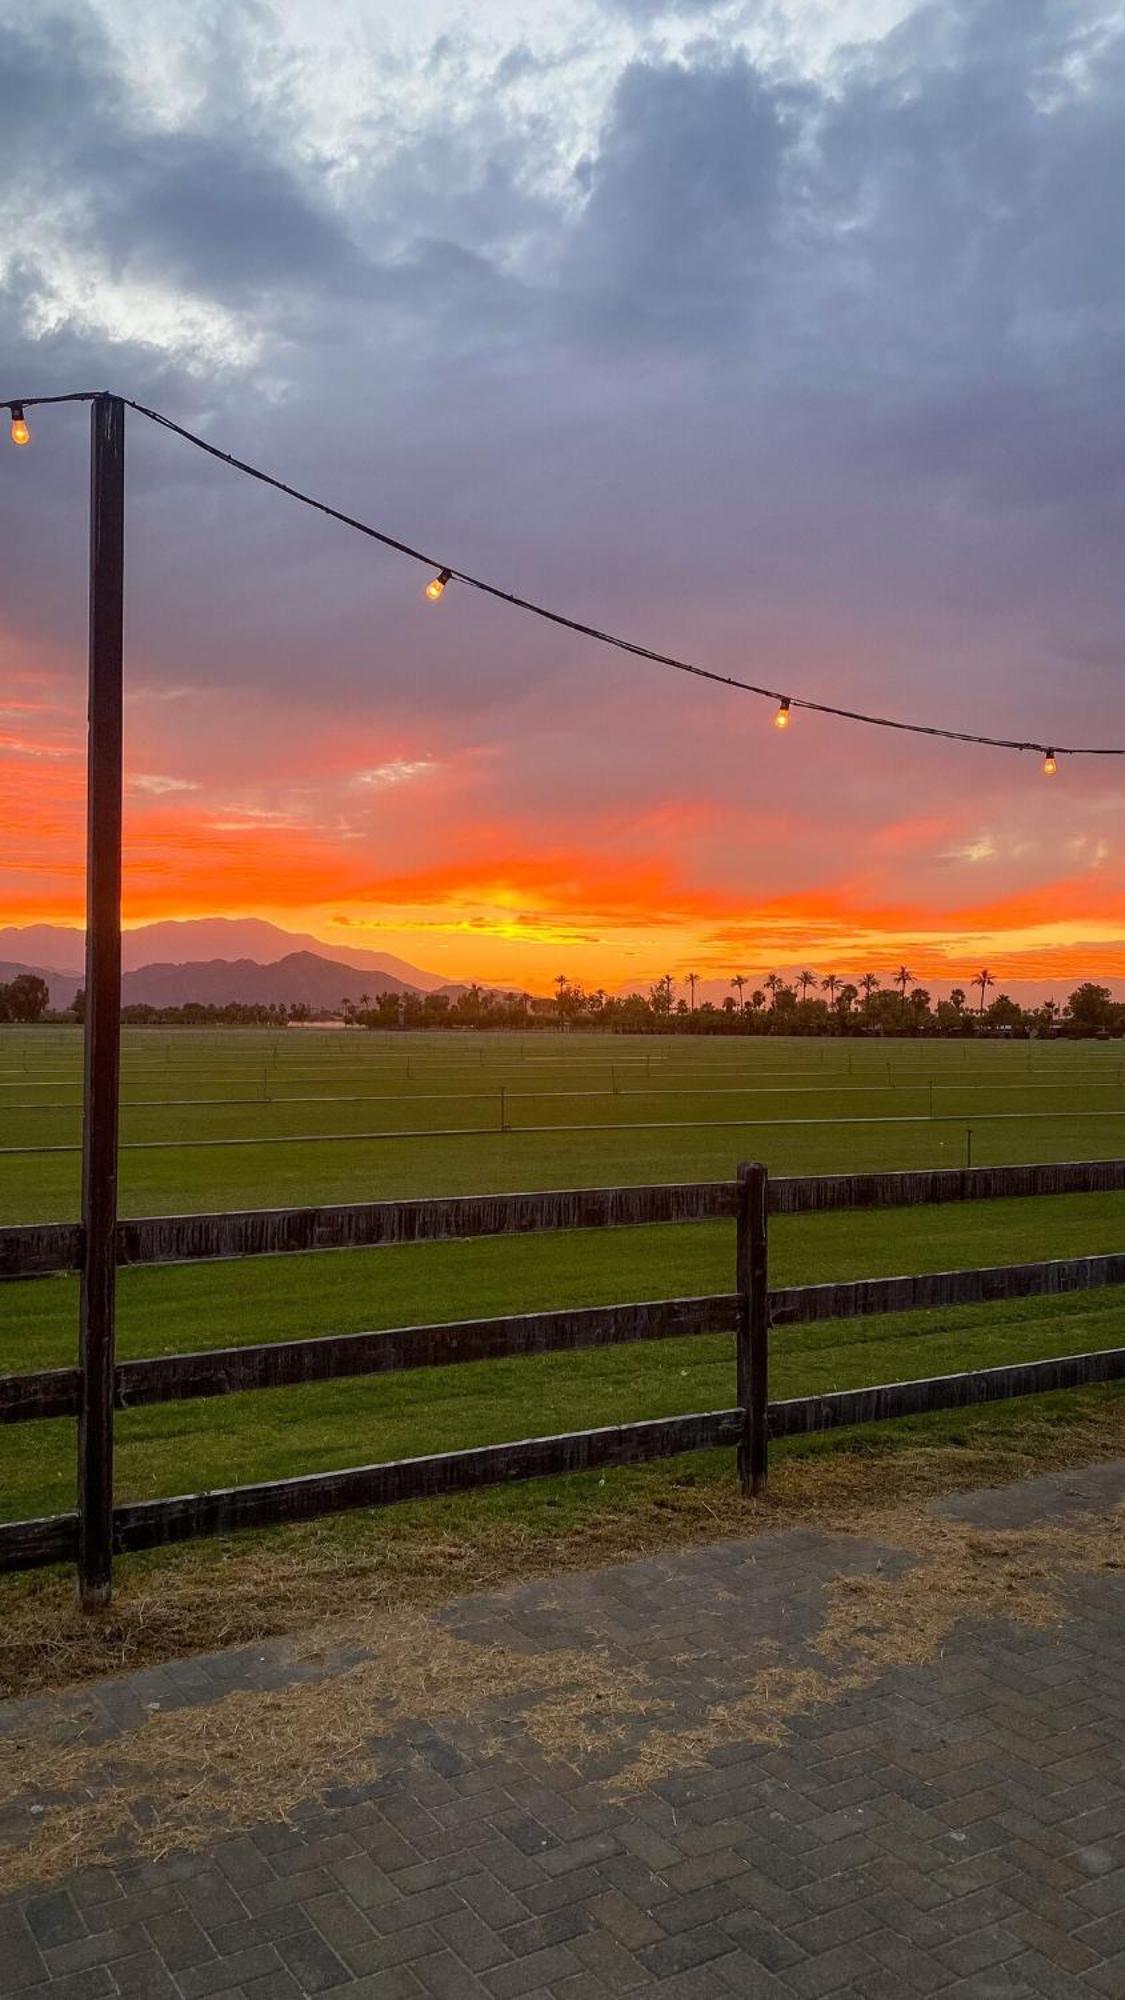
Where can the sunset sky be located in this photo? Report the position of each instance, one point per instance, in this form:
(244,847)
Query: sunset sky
(786,335)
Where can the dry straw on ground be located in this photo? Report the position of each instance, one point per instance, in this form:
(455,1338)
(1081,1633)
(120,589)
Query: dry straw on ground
(252,1757)
(882,1620)
(248,1757)
(202,1597)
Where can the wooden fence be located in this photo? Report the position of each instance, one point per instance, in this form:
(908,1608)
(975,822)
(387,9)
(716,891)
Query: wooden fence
(750,1309)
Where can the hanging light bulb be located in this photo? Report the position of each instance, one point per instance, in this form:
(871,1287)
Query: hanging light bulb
(782,718)
(436,585)
(21,433)
(1050,764)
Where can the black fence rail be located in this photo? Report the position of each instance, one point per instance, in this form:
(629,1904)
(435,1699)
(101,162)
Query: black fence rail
(281,1364)
(32,1250)
(749,1310)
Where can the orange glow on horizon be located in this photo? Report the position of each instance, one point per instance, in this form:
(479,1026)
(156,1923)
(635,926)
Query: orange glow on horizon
(426,848)
(604,921)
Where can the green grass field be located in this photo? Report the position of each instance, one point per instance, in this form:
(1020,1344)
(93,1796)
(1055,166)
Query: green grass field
(583,1110)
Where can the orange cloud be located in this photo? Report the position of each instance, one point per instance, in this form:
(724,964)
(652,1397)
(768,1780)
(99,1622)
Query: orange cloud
(448,854)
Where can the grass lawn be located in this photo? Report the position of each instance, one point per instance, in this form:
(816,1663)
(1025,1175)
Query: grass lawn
(280,1433)
(645,1101)
(585,1109)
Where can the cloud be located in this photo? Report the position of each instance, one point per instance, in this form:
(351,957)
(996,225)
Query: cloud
(56,78)
(158,787)
(399,772)
(158,208)
(645,11)
(983,847)
(681,198)
(808,372)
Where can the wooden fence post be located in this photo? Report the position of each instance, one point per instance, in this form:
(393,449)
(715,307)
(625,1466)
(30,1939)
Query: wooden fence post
(102,1030)
(751,1283)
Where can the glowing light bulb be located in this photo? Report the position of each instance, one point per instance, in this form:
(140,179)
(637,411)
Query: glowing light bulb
(436,586)
(1050,764)
(21,433)
(782,718)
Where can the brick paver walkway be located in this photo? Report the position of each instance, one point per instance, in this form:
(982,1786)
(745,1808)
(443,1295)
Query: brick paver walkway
(956,1827)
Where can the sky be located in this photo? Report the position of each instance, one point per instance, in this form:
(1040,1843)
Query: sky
(782,335)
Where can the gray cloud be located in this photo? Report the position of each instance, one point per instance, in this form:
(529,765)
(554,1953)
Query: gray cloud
(647,11)
(829,371)
(206,211)
(53,77)
(682,201)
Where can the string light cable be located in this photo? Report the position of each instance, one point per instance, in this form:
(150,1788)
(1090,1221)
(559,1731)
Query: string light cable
(445,573)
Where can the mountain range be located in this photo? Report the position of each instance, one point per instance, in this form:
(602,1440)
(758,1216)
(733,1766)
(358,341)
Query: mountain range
(195,940)
(301,978)
(216,960)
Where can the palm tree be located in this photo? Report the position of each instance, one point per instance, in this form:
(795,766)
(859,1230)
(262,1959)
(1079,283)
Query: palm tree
(739,980)
(773,985)
(830,984)
(757,1000)
(902,979)
(804,981)
(984,980)
(868,983)
(693,981)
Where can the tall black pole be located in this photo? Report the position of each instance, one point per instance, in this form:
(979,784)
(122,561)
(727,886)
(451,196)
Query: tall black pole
(752,1328)
(102,1049)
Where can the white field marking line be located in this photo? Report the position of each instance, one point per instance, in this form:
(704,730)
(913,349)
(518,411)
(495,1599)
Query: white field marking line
(423,1065)
(715,1049)
(359,1097)
(20,1080)
(704,1049)
(586,1057)
(970,1086)
(444,1047)
(538,1096)
(524,1131)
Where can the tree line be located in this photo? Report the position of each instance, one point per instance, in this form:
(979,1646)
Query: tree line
(805,1005)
